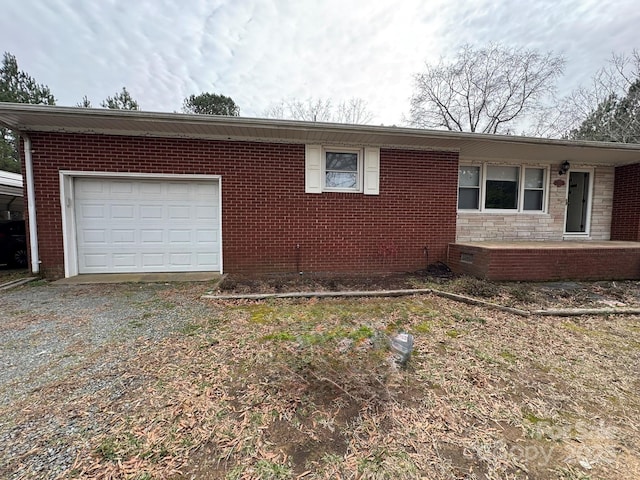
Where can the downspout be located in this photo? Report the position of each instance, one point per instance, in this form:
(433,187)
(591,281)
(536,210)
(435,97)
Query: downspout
(31,206)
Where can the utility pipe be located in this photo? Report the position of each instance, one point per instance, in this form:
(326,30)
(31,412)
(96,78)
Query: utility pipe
(31,206)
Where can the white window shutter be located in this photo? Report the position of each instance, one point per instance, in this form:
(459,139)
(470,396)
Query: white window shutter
(371,171)
(313,169)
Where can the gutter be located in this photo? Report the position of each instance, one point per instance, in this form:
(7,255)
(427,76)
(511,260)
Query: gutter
(31,206)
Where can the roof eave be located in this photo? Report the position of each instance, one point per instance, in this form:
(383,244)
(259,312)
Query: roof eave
(40,118)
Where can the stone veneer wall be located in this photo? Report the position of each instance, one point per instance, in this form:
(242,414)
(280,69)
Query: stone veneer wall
(475,227)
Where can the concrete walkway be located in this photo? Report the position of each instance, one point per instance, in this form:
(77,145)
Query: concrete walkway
(140,278)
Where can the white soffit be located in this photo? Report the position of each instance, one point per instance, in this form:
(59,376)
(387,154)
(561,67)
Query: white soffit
(39,118)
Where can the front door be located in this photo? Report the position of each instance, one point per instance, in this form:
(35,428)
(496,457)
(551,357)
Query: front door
(578,203)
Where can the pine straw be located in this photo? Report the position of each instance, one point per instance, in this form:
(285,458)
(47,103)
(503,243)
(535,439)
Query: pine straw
(273,390)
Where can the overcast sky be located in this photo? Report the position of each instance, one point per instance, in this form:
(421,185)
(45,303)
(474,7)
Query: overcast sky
(260,51)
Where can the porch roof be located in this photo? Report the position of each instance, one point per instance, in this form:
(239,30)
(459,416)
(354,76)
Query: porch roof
(39,118)
(11,191)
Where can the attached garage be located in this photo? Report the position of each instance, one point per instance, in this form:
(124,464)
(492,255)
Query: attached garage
(113,191)
(125,224)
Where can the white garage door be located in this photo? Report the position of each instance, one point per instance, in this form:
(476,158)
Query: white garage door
(125,226)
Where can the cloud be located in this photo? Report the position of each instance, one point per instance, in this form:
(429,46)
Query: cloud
(260,51)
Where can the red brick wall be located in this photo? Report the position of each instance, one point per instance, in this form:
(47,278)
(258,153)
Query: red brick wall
(530,264)
(625,220)
(266,213)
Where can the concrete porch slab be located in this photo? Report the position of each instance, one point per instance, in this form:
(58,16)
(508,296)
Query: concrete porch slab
(140,278)
(546,261)
(552,245)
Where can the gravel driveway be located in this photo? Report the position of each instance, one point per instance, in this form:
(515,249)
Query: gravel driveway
(73,342)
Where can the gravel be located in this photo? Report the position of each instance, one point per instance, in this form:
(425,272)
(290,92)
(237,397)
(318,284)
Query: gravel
(60,345)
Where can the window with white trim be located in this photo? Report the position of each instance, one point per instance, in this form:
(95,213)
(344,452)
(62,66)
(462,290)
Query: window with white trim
(533,189)
(469,189)
(503,188)
(342,169)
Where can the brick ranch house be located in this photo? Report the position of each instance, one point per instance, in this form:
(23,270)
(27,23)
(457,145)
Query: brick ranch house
(111,191)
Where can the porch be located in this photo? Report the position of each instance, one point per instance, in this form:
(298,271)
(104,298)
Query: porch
(546,260)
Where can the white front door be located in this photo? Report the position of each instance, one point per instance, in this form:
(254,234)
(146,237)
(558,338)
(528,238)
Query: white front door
(142,225)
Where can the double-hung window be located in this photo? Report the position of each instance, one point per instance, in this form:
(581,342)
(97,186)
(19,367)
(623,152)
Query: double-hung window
(501,188)
(469,189)
(342,169)
(533,189)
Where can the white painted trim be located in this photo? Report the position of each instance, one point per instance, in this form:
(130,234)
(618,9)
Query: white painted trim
(220,219)
(31,206)
(359,173)
(67,200)
(68,225)
(371,171)
(313,169)
(481,210)
(587,229)
(142,176)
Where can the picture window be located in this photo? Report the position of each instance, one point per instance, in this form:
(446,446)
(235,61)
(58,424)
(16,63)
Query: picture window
(502,188)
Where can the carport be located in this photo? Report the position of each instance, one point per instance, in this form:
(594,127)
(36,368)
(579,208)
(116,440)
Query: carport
(11,202)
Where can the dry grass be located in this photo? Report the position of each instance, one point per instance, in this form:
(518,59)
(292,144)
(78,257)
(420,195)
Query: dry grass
(305,389)
(526,295)
(10,274)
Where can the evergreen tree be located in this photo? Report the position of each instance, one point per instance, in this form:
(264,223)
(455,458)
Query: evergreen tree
(616,119)
(121,101)
(210,104)
(17,86)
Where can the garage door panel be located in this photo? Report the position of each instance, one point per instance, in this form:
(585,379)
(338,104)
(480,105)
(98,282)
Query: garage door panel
(152,259)
(89,211)
(180,236)
(210,259)
(89,187)
(94,236)
(180,212)
(205,213)
(94,260)
(122,212)
(180,259)
(151,212)
(151,236)
(121,187)
(179,189)
(146,225)
(206,237)
(150,189)
(126,237)
(124,260)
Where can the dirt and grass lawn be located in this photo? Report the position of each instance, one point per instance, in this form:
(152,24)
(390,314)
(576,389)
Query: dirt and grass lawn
(307,388)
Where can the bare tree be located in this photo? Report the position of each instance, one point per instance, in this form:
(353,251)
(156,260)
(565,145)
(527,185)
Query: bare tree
(353,111)
(484,90)
(602,107)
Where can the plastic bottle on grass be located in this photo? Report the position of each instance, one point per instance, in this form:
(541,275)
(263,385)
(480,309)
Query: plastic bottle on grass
(402,346)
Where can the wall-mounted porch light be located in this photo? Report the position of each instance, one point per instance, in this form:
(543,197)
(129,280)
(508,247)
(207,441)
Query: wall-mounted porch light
(564,168)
